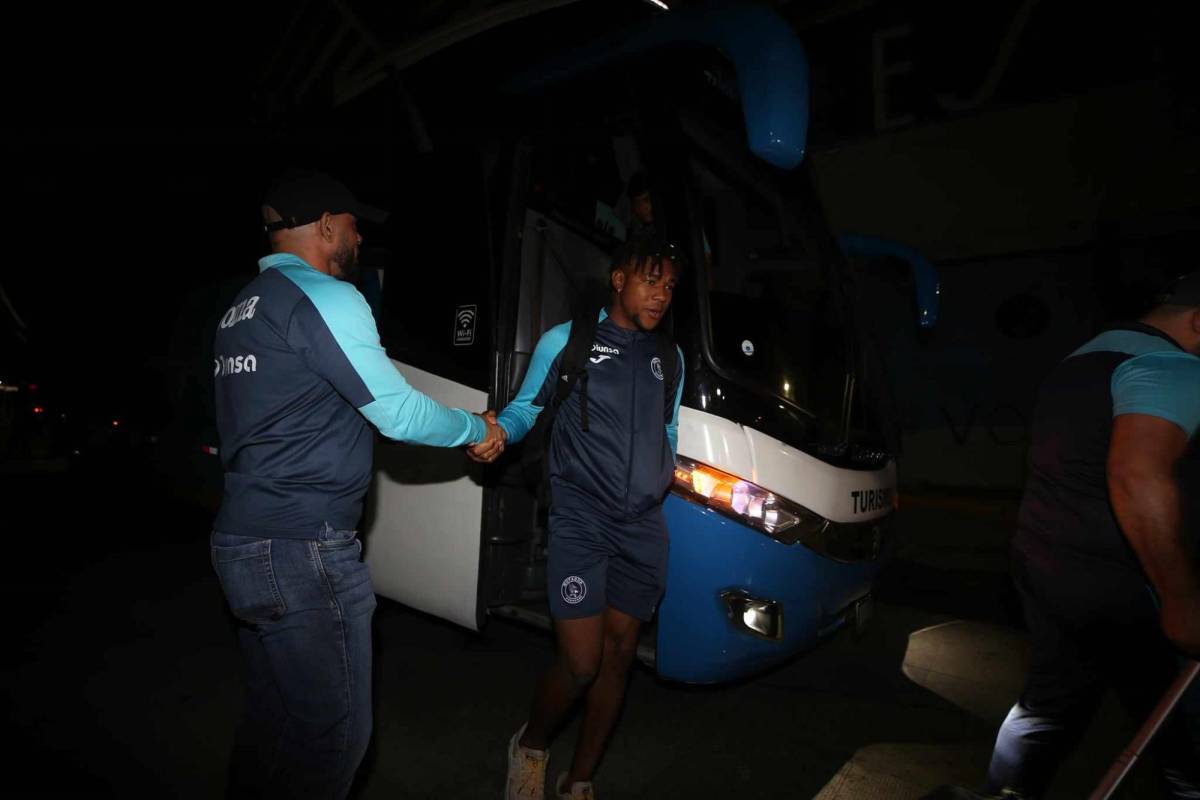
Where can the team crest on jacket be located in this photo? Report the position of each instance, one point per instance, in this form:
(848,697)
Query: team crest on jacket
(656,367)
(573,590)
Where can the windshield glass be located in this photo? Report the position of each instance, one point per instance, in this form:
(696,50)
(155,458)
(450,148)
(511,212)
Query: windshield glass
(775,314)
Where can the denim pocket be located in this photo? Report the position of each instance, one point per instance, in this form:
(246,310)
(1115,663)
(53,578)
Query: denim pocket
(332,539)
(340,555)
(248,579)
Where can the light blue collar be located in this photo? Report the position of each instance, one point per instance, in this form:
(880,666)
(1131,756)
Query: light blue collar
(284,259)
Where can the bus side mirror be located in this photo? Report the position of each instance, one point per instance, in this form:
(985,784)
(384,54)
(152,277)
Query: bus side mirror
(927,287)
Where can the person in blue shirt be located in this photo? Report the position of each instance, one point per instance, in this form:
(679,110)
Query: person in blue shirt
(300,381)
(611,462)
(1102,561)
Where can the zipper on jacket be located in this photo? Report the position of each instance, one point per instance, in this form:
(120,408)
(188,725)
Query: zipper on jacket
(632,421)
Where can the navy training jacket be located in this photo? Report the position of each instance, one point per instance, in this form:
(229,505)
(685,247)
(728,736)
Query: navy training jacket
(625,461)
(299,372)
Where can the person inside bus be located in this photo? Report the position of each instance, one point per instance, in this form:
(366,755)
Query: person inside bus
(300,379)
(641,205)
(642,222)
(1108,580)
(611,461)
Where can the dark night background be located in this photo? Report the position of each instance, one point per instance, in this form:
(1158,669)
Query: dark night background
(133,170)
(135,146)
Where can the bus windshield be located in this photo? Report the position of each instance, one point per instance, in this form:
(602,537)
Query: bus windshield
(777,319)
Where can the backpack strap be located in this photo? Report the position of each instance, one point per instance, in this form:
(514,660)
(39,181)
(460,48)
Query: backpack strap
(572,367)
(572,363)
(668,354)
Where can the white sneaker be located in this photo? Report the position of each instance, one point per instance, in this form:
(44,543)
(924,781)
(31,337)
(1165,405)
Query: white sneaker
(526,771)
(580,790)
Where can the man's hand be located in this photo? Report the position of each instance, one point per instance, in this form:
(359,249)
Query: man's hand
(492,446)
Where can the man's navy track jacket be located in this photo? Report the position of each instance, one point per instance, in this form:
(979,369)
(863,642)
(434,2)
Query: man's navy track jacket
(299,372)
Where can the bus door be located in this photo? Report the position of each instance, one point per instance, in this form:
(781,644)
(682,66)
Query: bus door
(572,217)
(425,504)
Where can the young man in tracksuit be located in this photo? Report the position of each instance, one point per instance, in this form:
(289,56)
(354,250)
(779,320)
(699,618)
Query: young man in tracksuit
(608,542)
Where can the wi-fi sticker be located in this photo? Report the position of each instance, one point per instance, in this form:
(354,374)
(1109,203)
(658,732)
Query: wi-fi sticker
(464,325)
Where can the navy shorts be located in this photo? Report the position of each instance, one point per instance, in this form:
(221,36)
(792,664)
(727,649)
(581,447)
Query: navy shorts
(597,561)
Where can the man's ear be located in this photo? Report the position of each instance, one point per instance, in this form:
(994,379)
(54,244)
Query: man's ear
(1196,320)
(325,227)
(618,279)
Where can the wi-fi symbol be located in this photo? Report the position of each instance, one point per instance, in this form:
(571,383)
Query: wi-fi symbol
(465,317)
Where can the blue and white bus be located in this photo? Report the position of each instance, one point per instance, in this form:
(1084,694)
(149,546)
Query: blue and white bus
(512,157)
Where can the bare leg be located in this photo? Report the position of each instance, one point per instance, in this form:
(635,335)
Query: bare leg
(580,645)
(606,693)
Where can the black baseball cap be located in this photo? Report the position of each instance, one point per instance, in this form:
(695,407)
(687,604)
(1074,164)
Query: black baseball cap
(1183,291)
(302,197)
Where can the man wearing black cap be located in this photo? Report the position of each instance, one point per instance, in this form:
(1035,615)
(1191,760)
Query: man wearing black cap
(1102,560)
(299,373)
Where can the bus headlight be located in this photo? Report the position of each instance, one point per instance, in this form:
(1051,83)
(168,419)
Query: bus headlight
(778,517)
(745,502)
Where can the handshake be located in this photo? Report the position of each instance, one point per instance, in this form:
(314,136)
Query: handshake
(492,446)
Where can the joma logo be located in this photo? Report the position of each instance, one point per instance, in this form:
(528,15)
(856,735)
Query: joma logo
(241,311)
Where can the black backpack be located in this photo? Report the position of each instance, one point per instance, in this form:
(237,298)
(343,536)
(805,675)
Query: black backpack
(535,457)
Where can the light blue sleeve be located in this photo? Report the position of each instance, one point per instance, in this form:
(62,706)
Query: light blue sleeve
(391,404)
(519,416)
(1165,384)
(673,425)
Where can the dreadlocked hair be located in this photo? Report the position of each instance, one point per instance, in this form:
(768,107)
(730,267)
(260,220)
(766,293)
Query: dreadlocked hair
(645,253)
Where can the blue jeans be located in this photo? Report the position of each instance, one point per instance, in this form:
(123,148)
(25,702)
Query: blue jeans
(304,609)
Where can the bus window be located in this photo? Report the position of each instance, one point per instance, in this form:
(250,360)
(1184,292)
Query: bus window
(775,319)
(576,176)
(575,218)
(437,290)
